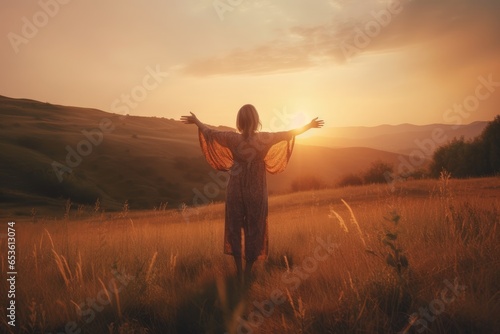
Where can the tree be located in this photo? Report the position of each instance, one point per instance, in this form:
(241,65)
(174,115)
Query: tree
(377,173)
(308,182)
(450,157)
(491,143)
(350,180)
(473,158)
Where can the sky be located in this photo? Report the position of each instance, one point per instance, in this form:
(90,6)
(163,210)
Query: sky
(350,62)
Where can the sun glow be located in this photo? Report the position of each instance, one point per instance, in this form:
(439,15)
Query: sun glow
(299,119)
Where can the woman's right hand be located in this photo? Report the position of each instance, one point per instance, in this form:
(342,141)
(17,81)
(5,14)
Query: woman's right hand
(192,119)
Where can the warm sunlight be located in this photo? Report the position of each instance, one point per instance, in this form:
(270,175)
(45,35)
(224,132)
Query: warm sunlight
(409,69)
(299,119)
(244,167)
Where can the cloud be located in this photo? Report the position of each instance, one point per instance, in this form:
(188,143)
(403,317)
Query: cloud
(450,33)
(301,48)
(262,59)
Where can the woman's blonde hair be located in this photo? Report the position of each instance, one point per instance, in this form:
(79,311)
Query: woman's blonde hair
(247,121)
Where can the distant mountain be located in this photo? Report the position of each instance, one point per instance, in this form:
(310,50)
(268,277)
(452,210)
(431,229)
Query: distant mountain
(51,153)
(403,138)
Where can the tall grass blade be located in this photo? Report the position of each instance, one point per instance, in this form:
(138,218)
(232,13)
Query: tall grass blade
(150,267)
(355,222)
(340,219)
(61,268)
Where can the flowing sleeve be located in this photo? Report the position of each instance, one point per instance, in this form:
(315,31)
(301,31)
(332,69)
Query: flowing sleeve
(279,152)
(215,147)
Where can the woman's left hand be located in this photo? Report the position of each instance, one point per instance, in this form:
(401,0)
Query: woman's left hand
(316,123)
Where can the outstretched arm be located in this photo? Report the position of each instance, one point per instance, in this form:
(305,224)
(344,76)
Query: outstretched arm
(214,144)
(222,137)
(314,124)
(192,119)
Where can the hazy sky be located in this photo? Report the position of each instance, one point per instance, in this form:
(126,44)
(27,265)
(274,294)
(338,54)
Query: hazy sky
(351,62)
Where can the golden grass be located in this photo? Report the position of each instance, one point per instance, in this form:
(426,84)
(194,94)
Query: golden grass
(151,272)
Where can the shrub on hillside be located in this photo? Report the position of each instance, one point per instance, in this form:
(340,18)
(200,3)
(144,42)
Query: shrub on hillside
(377,172)
(308,182)
(473,158)
(417,174)
(350,180)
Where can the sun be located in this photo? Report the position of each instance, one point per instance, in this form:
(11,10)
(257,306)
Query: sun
(299,119)
(284,119)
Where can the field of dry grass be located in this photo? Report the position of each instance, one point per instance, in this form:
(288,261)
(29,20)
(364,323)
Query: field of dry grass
(423,258)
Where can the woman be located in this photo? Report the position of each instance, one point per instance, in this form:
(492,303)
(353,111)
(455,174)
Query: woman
(247,156)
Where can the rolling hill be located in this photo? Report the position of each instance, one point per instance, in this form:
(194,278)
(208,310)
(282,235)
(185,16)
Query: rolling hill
(51,153)
(403,138)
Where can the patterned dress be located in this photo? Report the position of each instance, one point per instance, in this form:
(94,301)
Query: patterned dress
(246,160)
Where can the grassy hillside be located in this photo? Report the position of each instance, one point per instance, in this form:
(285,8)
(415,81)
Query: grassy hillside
(143,160)
(328,164)
(135,160)
(155,272)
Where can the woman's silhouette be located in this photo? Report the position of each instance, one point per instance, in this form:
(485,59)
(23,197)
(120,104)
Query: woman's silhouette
(247,156)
